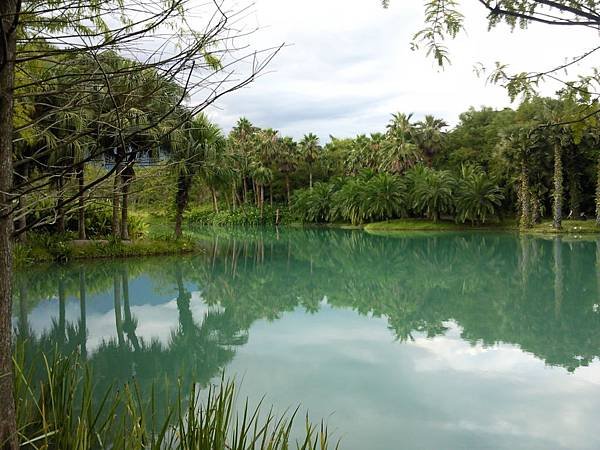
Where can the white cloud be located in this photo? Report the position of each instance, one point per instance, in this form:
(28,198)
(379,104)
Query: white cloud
(348,66)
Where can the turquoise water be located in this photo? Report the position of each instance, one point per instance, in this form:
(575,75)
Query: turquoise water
(424,341)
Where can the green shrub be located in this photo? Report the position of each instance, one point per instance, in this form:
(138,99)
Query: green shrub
(477,196)
(55,246)
(314,205)
(432,192)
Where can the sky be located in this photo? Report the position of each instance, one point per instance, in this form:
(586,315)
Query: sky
(347,66)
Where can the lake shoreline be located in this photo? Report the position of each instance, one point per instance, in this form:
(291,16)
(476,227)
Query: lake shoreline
(38,251)
(33,253)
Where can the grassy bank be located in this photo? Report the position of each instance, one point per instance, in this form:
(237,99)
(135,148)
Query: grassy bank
(52,248)
(403,225)
(428,225)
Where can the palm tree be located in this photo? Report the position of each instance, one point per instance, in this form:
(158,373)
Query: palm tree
(310,148)
(429,137)
(400,151)
(136,120)
(242,139)
(433,192)
(269,146)
(195,149)
(262,176)
(386,197)
(557,194)
(286,161)
(477,195)
(518,145)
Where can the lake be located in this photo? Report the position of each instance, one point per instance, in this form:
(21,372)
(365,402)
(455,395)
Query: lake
(416,341)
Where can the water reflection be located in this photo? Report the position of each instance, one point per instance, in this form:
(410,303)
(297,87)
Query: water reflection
(541,294)
(296,304)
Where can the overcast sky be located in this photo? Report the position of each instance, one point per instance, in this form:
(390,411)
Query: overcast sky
(348,66)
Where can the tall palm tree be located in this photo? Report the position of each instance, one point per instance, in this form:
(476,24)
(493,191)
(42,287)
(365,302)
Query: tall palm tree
(195,150)
(287,160)
(262,176)
(242,142)
(401,153)
(269,146)
(310,148)
(429,137)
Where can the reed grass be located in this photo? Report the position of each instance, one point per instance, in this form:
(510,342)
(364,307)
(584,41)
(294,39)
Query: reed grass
(58,407)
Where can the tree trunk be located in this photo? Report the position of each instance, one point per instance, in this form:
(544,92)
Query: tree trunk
(262,200)
(287,188)
(271,194)
(126,184)
(81,212)
(310,181)
(60,209)
(256,193)
(8,36)
(233,195)
(116,231)
(215,200)
(525,219)
(245,189)
(181,200)
(558,188)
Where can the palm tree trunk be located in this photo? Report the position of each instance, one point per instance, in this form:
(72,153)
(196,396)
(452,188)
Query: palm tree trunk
(525,220)
(256,193)
(262,200)
(60,209)
(245,182)
(310,178)
(116,231)
(287,188)
(181,200)
(233,197)
(126,183)
(8,424)
(558,188)
(81,212)
(214,199)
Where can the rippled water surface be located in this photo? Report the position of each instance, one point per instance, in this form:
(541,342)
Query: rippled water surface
(424,341)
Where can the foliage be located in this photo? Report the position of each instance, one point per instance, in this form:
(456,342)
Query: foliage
(477,196)
(432,192)
(246,215)
(313,205)
(62,409)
